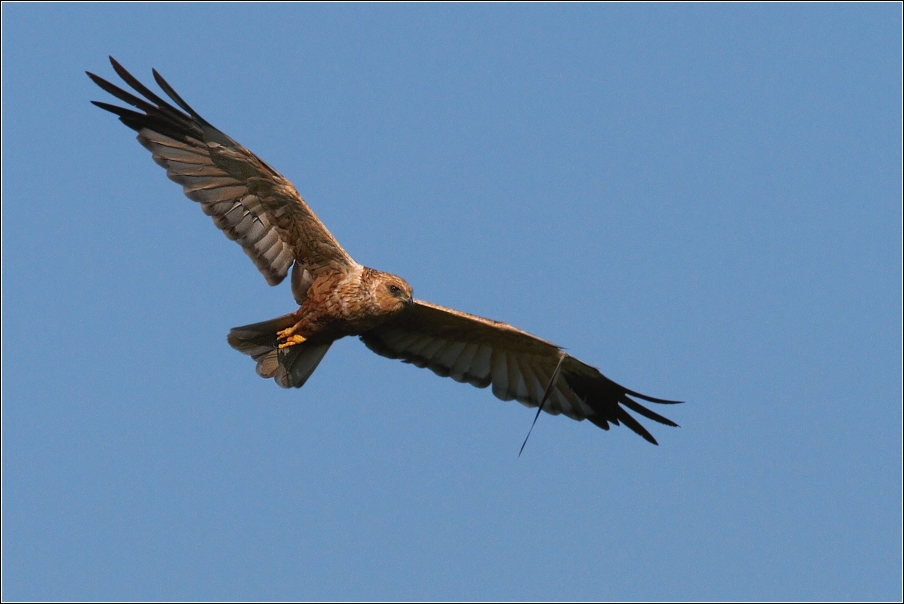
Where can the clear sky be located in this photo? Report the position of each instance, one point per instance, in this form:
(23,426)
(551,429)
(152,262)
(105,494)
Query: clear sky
(702,201)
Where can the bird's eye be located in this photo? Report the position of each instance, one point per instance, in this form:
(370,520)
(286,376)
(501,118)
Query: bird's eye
(394,290)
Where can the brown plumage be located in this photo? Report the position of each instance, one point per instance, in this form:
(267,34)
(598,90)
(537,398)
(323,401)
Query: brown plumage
(258,208)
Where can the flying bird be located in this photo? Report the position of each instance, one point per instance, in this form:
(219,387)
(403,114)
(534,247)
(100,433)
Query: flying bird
(258,208)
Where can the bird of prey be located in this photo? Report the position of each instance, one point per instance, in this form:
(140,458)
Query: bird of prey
(257,207)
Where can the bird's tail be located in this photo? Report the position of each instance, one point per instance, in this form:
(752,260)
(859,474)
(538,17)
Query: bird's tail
(291,366)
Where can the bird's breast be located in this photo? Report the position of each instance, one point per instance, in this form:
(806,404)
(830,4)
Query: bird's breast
(339,304)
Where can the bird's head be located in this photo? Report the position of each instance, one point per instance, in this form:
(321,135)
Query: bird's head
(391,293)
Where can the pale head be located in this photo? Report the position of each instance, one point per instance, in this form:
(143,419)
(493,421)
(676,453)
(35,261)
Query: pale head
(391,293)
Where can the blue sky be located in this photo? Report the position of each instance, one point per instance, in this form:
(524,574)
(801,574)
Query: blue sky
(702,201)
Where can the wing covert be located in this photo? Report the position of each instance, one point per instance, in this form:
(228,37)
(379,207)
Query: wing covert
(248,200)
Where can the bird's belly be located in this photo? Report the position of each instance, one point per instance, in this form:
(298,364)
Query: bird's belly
(329,326)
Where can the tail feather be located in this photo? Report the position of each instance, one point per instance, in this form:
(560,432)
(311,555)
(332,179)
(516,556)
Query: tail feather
(289,367)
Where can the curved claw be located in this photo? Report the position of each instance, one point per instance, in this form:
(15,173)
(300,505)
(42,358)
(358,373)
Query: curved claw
(288,337)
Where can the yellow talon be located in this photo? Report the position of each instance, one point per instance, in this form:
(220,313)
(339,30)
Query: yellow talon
(291,341)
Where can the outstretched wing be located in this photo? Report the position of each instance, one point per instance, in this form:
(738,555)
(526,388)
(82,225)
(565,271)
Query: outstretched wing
(248,200)
(518,365)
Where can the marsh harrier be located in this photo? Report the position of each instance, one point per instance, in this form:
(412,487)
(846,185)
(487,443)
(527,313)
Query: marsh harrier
(258,208)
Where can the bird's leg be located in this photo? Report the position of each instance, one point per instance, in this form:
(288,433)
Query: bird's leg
(288,337)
